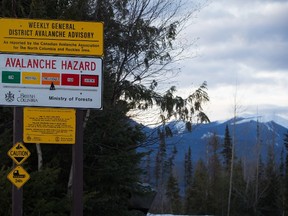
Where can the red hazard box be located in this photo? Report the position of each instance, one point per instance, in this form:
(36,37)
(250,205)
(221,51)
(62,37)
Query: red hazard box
(70,79)
(90,80)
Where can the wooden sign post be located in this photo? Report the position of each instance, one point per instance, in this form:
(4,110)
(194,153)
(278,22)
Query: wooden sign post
(17,194)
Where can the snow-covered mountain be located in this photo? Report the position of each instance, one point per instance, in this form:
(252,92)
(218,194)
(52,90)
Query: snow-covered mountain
(247,131)
(244,129)
(271,133)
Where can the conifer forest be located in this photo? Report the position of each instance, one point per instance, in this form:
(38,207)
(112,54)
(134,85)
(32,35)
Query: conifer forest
(140,48)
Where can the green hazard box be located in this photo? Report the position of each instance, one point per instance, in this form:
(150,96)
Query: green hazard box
(11,77)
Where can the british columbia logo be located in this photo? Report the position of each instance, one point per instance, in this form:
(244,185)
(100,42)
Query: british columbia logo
(9,97)
(27,98)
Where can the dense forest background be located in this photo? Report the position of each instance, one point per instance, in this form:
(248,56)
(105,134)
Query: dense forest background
(140,44)
(223,180)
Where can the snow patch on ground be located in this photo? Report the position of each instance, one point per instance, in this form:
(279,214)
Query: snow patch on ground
(180,127)
(207,135)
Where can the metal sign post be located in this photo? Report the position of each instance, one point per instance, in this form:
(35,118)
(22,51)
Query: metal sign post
(17,194)
(77,158)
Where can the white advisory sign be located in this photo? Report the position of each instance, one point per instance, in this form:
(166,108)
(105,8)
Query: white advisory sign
(50,81)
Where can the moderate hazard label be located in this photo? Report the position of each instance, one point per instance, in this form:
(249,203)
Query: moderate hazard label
(19,153)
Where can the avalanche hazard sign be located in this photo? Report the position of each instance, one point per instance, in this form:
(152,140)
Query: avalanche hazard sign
(50,81)
(19,153)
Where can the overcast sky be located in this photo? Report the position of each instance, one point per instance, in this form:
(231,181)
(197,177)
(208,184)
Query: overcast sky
(242,53)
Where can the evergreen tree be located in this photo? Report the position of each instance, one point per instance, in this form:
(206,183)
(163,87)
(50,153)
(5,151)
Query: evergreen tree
(166,194)
(198,194)
(258,155)
(172,187)
(216,194)
(286,174)
(173,195)
(188,168)
(161,159)
(239,201)
(269,203)
(282,182)
(227,149)
(188,181)
(147,174)
(111,170)
(262,186)
(161,173)
(5,198)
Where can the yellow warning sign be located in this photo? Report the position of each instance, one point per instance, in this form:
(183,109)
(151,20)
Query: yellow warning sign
(49,125)
(18,176)
(19,153)
(51,37)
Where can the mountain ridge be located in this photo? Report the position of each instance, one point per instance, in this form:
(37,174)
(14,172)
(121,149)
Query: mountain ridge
(245,129)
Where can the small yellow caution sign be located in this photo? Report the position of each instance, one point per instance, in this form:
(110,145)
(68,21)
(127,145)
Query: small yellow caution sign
(18,176)
(19,153)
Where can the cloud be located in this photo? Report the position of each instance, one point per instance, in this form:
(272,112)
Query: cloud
(241,44)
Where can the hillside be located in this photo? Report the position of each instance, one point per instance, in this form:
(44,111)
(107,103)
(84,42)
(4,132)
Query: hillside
(270,133)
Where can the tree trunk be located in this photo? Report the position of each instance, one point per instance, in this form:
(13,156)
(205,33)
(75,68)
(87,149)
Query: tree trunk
(257,168)
(70,182)
(232,160)
(39,155)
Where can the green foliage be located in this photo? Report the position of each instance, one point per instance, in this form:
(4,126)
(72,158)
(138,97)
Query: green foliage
(188,167)
(5,193)
(184,109)
(111,163)
(215,176)
(269,204)
(227,150)
(188,180)
(239,196)
(286,174)
(286,141)
(6,142)
(208,191)
(173,195)
(199,190)
(48,195)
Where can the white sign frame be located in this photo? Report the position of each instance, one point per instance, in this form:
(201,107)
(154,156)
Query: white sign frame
(27,93)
